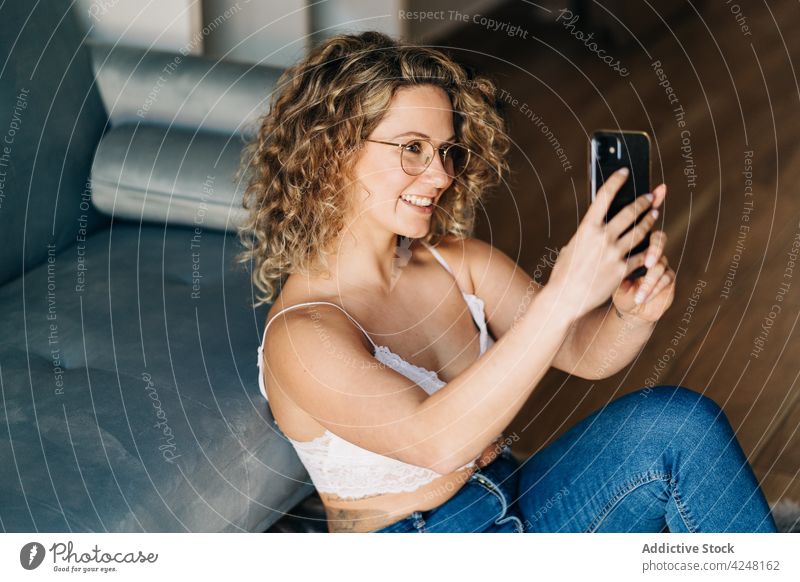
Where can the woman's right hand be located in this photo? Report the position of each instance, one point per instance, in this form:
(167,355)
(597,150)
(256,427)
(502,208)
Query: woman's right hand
(593,264)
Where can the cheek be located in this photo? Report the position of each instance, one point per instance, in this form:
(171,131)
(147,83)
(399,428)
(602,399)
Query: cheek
(397,182)
(382,181)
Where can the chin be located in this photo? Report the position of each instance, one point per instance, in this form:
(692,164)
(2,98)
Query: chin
(415,232)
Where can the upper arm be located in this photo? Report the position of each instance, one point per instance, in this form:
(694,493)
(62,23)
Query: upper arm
(319,359)
(507,291)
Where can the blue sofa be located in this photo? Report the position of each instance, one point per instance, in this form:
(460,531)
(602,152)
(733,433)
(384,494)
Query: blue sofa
(128,341)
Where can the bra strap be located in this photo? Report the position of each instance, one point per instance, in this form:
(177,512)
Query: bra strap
(438,256)
(469,301)
(317,303)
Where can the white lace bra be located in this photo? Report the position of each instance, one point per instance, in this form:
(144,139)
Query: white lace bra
(344,469)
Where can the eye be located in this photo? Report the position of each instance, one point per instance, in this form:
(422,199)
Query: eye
(414,147)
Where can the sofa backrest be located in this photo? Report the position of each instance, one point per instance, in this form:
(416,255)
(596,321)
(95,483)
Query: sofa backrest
(177,89)
(51,119)
(178,124)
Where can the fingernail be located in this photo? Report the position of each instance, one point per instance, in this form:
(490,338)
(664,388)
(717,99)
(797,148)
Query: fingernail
(649,196)
(649,261)
(654,213)
(624,171)
(639,298)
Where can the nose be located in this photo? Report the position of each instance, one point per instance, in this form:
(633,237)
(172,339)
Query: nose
(435,174)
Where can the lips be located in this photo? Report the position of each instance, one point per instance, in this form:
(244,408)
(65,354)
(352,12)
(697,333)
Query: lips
(422,209)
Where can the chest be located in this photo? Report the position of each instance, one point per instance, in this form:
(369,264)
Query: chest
(426,318)
(426,321)
(441,335)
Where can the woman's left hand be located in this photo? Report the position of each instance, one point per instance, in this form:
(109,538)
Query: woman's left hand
(656,288)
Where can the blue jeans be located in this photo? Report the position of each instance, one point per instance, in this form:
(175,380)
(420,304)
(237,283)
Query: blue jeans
(658,459)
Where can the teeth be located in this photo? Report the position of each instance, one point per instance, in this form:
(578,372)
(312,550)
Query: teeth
(418,200)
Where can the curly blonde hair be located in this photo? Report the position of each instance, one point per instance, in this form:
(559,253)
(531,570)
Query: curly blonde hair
(302,156)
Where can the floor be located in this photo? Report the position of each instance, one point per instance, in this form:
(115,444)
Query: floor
(734,91)
(735,108)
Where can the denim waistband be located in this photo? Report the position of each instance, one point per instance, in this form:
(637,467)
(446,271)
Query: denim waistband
(484,503)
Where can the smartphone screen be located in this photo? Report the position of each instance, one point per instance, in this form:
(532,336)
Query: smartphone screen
(610,151)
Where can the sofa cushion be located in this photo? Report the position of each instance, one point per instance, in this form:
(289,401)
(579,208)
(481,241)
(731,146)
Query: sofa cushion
(169,176)
(128,369)
(52,118)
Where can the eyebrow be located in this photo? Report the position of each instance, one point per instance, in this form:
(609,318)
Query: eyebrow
(420,134)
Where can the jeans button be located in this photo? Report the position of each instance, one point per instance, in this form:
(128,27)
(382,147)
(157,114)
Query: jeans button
(419,521)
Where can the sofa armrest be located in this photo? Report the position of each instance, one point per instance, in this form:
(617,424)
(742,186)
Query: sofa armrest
(138,85)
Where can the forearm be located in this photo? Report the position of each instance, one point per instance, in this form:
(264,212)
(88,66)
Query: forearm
(605,341)
(463,417)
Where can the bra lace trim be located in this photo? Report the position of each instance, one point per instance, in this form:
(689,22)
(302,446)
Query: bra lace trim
(428,380)
(341,468)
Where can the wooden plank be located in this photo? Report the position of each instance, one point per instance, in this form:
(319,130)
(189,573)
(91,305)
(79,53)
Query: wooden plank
(738,94)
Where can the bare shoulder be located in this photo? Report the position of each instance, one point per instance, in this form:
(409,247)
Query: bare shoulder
(504,286)
(324,375)
(458,252)
(316,324)
(304,346)
(476,260)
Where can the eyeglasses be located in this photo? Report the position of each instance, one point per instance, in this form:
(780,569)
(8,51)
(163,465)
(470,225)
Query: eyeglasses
(417,154)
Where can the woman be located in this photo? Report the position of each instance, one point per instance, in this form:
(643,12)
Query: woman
(400,348)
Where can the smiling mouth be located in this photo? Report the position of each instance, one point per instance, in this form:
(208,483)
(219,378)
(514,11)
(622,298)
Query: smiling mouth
(426,211)
(419,201)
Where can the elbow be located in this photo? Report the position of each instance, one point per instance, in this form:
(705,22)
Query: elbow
(438,450)
(430,449)
(442,467)
(591,377)
(599,375)
(444,462)
(425,451)
(585,374)
(440,461)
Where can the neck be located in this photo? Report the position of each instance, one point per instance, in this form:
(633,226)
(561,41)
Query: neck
(370,260)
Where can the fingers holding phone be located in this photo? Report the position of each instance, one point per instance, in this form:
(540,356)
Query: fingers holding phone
(646,297)
(603,197)
(622,222)
(608,248)
(594,262)
(641,229)
(659,193)
(609,151)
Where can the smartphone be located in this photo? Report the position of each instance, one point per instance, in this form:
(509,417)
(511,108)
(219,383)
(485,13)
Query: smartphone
(609,151)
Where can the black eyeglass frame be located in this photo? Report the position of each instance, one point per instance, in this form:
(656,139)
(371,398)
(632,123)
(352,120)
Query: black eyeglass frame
(441,150)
